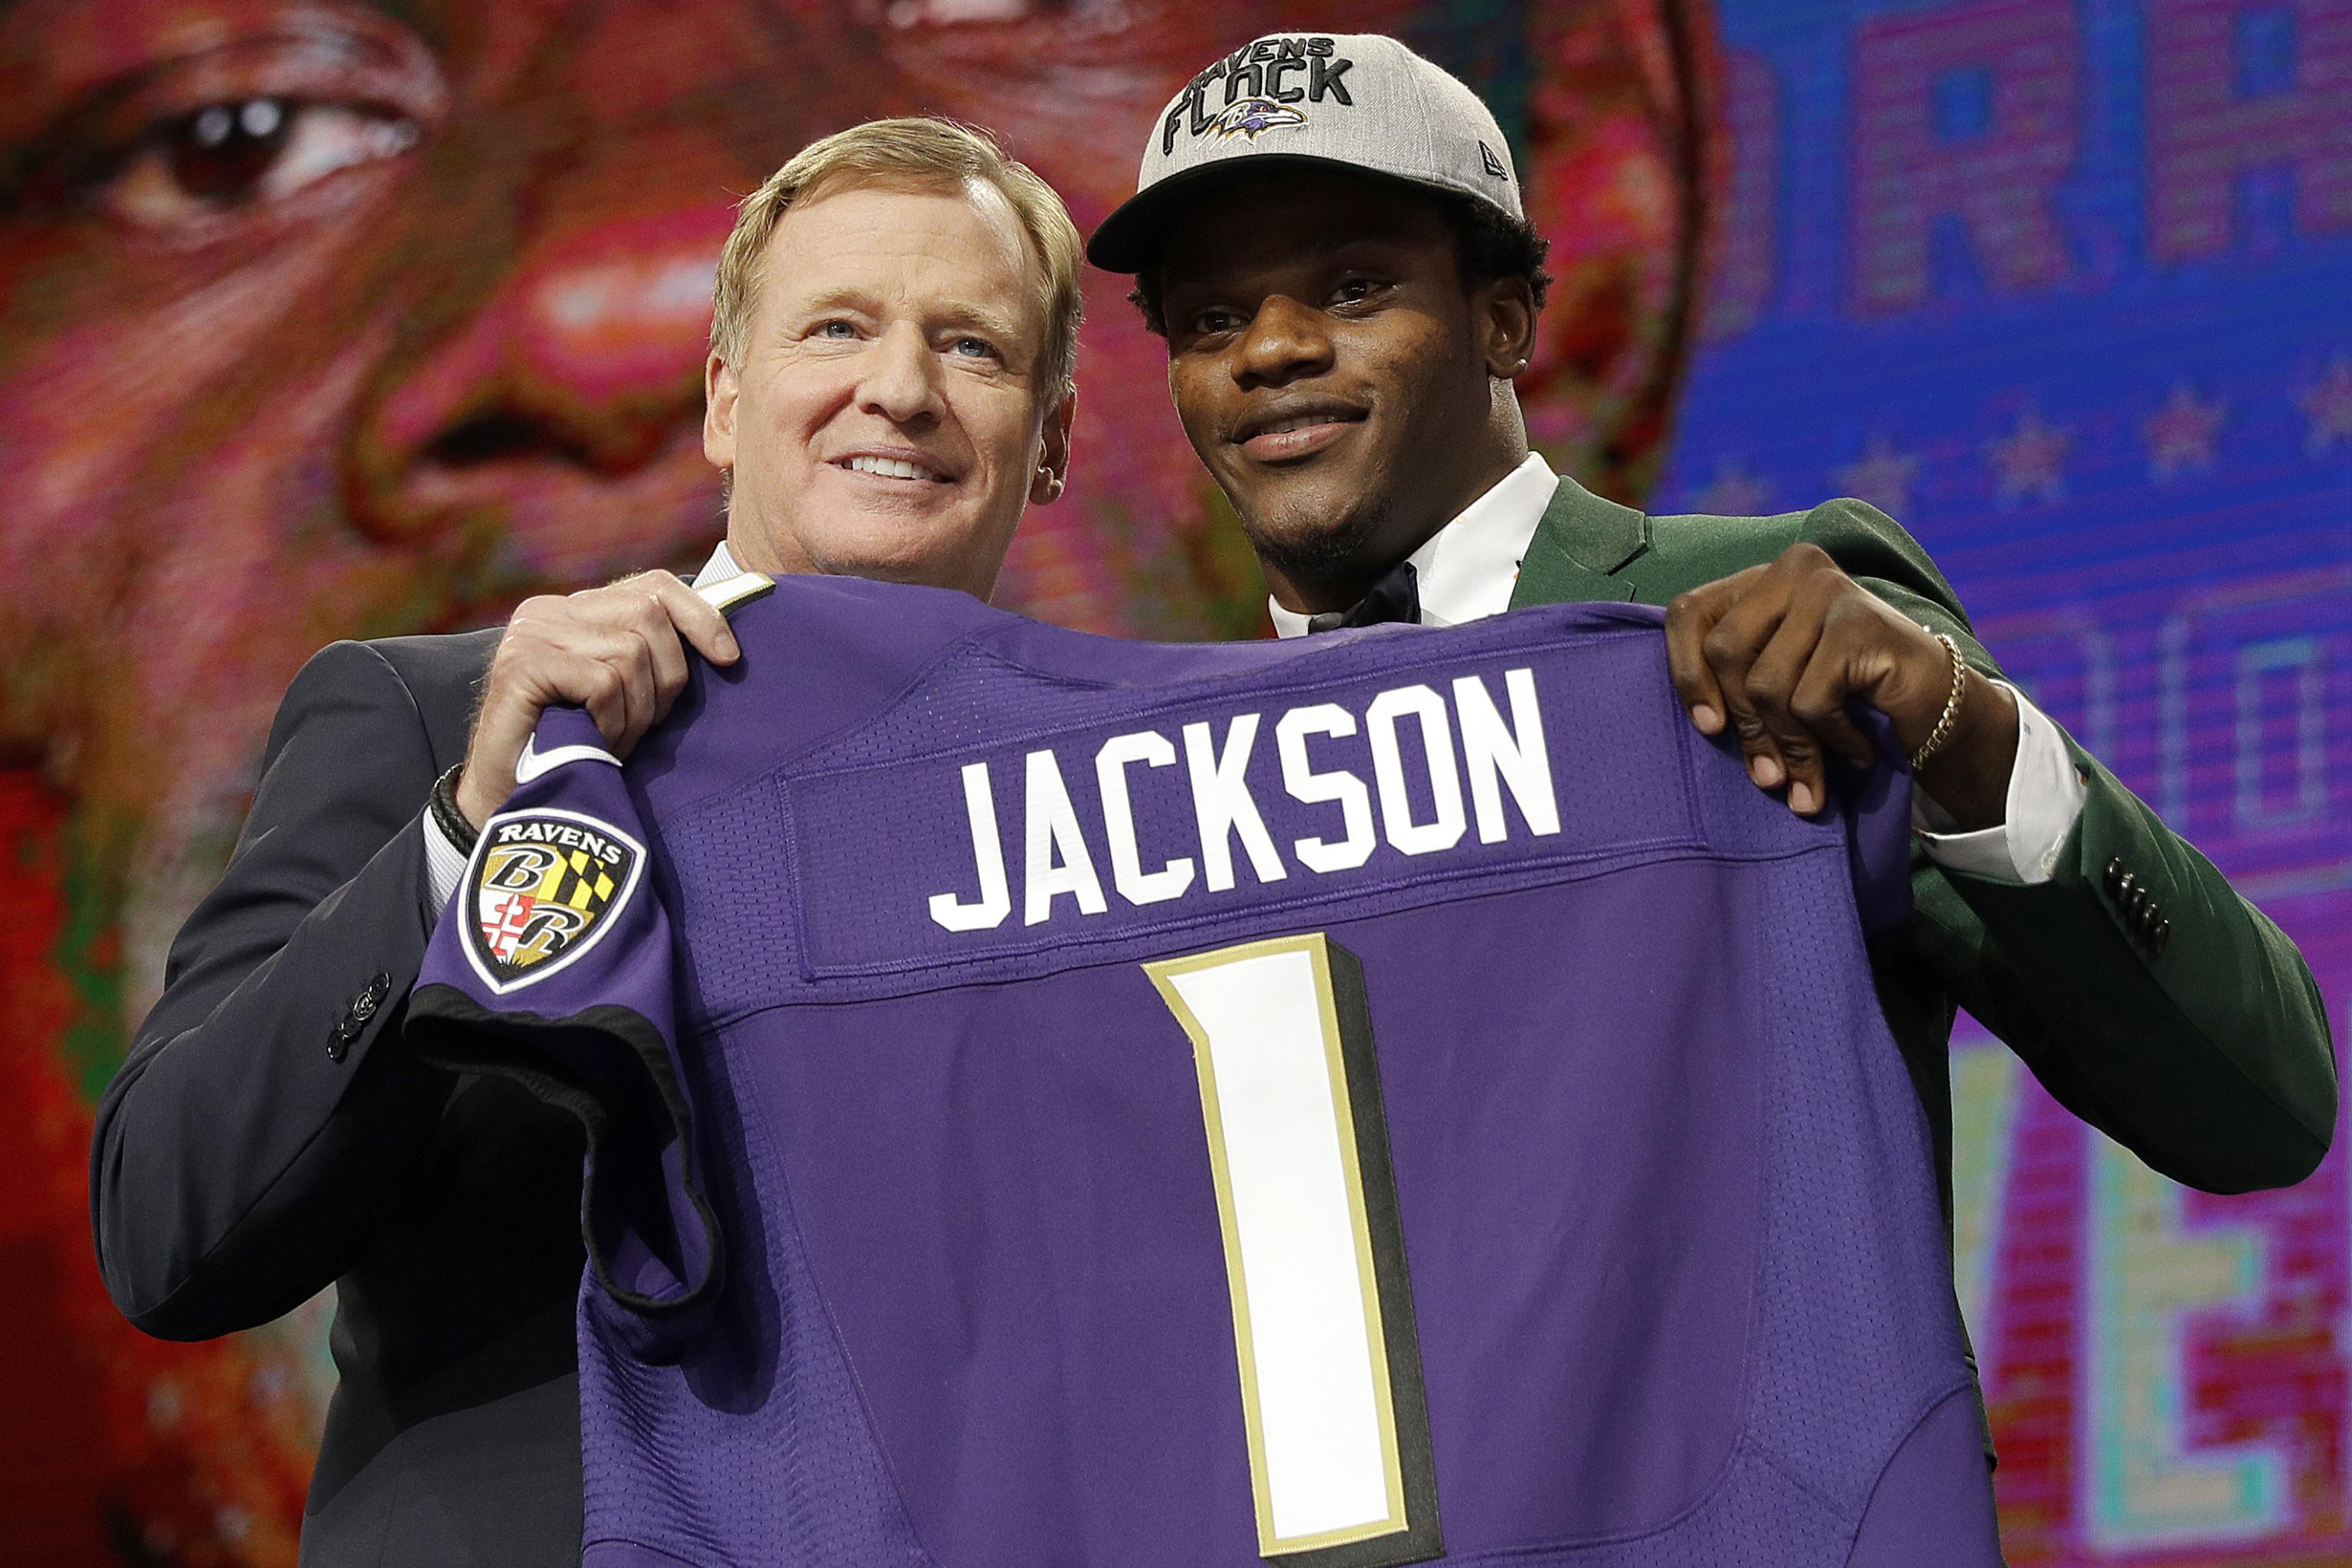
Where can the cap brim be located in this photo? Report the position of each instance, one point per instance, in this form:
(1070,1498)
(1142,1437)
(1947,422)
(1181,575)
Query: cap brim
(1131,238)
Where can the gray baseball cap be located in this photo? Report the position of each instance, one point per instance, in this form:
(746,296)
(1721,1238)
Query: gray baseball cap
(1361,101)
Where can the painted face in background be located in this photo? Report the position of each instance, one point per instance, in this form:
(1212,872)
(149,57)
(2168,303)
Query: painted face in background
(321,319)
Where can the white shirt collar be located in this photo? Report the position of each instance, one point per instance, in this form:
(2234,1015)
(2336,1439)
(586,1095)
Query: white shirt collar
(1467,569)
(719,568)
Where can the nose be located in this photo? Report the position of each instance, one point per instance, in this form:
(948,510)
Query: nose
(1285,341)
(898,377)
(575,374)
(591,353)
(539,406)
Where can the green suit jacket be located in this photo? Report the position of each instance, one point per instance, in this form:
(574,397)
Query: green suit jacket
(2208,1057)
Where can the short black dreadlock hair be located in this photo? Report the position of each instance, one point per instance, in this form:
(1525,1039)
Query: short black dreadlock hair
(1488,244)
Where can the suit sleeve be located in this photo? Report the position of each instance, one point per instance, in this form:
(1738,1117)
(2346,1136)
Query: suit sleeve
(2206,1053)
(266,1116)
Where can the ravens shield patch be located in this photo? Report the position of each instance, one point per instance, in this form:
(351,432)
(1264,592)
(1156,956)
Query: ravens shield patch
(543,887)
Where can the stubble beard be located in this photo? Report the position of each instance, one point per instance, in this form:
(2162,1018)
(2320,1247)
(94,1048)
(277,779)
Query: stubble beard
(1305,544)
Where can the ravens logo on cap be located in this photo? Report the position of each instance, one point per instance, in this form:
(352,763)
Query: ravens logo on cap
(1251,117)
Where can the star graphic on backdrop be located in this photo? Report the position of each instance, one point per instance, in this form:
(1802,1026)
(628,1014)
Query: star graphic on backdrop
(2180,434)
(2328,406)
(1881,476)
(2031,460)
(1735,493)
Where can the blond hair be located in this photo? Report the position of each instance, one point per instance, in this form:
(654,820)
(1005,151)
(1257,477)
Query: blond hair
(925,151)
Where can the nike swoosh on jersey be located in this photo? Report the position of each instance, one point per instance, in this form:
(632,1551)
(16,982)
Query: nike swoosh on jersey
(534,762)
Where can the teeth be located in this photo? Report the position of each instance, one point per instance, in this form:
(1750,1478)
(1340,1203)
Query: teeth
(1300,422)
(890,467)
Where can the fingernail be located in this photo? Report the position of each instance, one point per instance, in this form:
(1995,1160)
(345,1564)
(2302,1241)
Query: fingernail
(1800,799)
(731,648)
(1765,771)
(1708,719)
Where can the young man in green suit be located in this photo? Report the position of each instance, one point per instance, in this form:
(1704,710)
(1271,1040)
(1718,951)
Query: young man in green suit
(1328,234)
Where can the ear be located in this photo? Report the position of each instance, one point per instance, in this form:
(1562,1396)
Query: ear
(1053,451)
(720,388)
(1503,313)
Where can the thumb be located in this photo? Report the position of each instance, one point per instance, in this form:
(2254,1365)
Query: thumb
(499,732)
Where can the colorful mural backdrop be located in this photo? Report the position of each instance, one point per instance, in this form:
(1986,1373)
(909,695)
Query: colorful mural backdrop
(2068,288)
(324,319)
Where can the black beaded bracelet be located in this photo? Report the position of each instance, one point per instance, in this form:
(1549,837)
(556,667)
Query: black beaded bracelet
(446,811)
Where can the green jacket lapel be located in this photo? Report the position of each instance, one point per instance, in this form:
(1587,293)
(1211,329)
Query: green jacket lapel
(1580,545)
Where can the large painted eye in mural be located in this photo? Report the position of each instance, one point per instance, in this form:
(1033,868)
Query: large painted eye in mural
(329,320)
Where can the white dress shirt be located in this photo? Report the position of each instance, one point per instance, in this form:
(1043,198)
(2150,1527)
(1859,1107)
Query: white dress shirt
(1469,568)
(445,863)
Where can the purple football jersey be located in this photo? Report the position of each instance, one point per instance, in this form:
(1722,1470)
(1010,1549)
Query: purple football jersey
(1401,1096)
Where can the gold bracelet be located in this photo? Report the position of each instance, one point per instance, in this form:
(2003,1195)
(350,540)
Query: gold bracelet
(1943,730)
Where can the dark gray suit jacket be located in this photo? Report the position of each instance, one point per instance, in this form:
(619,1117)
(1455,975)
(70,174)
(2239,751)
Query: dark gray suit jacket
(269,1135)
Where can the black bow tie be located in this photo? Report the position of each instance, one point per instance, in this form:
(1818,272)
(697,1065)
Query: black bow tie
(1396,597)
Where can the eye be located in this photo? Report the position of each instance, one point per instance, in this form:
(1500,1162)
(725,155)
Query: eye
(1215,320)
(975,348)
(237,152)
(835,329)
(1353,291)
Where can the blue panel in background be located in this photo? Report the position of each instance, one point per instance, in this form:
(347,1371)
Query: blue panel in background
(2067,290)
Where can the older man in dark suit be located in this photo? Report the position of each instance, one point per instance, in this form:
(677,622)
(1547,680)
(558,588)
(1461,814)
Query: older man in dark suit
(889,386)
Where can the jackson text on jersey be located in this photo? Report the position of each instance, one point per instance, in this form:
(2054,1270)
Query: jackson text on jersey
(1421,744)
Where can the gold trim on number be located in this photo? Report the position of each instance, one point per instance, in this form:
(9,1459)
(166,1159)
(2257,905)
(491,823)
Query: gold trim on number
(1366,1276)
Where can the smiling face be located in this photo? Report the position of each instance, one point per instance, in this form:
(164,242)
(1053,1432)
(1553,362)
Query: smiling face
(1333,372)
(893,414)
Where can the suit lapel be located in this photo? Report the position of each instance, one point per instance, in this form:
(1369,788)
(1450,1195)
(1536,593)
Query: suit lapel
(1580,545)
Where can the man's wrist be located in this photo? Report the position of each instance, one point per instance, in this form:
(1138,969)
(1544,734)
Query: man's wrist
(449,843)
(1969,775)
(2046,799)
(1948,721)
(450,816)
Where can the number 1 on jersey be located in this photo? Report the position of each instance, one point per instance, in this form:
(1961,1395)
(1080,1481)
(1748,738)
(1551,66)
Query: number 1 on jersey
(1323,1325)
